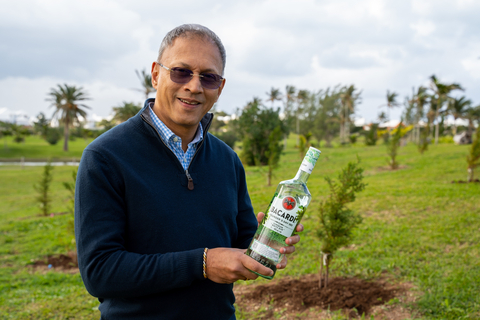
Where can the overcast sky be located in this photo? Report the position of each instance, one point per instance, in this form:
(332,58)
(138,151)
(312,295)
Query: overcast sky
(375,45)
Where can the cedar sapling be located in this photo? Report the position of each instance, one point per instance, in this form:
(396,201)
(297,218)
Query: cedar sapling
(392,147)
(304,144)
(70,186)
(473,157)
(371,136)
(43,188)
(337,222)
(424,140)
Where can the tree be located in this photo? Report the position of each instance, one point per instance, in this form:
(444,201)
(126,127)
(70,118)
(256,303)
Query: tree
(393,146)
(371,135)
(440,96)
(274,152)
(472,114)
(337,221)
(391,102)
(254,127)
(18,132)
(70,186)
(106,124)
(43,188)
(146,82)
(5,131)
(302,99)
(217,124)
(42,125)
(382,117)
(327,114)
(419,99)
(274,95)
(304,144)
(66,101)
(424,139)
(53,135)
(349,99)
(473,157)
(125,111)
(290,92)
(458,108)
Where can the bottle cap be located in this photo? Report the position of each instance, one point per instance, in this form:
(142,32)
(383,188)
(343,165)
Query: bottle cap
(310,159)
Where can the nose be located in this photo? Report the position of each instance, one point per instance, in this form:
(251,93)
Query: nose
(194,84)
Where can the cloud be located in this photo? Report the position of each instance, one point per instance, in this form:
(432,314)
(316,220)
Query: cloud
(65,39)
(375,44)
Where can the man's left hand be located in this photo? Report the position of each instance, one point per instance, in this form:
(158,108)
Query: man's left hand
(290,242)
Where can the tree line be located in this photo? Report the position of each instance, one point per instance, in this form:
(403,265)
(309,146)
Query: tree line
(325,115)
(70,111)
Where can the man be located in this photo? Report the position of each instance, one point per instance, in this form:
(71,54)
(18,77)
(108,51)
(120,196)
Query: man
(162,212)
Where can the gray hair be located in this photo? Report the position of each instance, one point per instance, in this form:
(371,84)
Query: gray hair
(194,29)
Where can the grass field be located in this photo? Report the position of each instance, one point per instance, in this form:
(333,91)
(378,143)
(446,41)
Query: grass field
(35,148)
(418,228)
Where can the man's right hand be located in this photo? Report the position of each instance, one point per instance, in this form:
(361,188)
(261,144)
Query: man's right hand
(227,265)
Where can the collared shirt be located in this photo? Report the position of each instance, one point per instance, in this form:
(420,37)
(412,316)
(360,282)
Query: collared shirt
(174,142)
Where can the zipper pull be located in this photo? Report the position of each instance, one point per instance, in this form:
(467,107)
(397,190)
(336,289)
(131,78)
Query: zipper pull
(190,180)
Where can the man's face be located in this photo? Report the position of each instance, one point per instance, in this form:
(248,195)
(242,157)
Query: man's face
(182,106)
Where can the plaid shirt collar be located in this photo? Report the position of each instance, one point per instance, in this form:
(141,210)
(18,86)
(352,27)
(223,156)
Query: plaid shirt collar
(174,142)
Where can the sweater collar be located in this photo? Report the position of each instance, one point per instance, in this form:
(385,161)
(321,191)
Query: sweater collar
(145,114)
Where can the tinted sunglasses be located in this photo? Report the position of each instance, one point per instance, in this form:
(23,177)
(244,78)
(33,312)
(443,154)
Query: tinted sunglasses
(183,75)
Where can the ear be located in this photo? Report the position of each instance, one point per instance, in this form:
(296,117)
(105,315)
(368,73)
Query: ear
(155,74)
(220,89)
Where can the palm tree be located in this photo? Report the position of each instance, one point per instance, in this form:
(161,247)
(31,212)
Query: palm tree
(472,114)
(458,108)
(125,111)
(302,99)
(274,95)
(348,99)
(440,96)
(290,92)
(65,99)
(146,82)
(420,99)
(391,102)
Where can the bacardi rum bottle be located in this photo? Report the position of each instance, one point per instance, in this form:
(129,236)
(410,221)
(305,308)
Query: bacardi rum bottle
(283,215)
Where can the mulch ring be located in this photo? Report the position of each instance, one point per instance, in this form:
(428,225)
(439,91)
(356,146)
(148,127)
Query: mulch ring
(58,262)
(301,294)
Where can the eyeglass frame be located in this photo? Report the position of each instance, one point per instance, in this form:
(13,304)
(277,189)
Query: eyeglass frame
(222,79)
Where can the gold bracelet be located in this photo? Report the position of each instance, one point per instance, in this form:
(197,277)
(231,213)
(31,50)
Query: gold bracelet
(205,263)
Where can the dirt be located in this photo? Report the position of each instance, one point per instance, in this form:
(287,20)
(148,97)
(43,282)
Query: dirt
(59,262)
(463,181)
(301,298)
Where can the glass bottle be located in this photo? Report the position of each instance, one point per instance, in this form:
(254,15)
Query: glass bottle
(283,214)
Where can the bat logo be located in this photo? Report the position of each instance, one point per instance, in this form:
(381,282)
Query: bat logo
(288,203)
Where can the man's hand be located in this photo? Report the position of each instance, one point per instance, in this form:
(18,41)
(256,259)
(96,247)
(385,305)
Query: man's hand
(227,265)
(290,241)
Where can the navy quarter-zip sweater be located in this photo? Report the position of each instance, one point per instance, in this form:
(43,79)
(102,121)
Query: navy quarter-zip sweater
(141,232)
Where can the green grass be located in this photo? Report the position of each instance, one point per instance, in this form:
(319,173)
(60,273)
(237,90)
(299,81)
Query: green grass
(418,228)
(35,148)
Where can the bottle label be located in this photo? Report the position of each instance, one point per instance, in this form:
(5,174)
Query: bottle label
(282,216)
(265,250)
(310,159)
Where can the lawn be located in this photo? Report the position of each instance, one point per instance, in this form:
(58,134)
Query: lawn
(418,228)
(36,149)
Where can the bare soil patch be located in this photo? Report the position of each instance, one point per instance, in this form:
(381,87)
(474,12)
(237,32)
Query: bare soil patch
(302,299)
(58,262)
